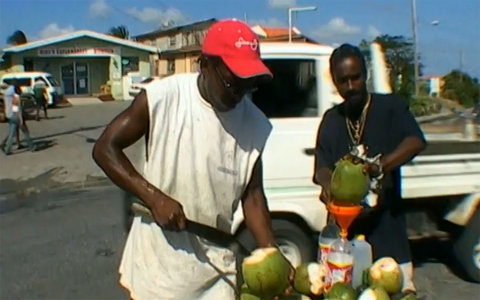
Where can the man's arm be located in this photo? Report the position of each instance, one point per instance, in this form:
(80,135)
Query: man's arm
(257,216)
(323,159)
(323,177)
(408,133)
(255,211)
(408,148)
(127,128)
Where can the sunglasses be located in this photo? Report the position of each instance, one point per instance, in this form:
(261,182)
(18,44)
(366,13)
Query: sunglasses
(235,89)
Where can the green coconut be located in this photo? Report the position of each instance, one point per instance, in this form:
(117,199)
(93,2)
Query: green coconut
(341,291)
(349,184)
(301,282)
(403,296)
(246,294)
(385,272)
(310,278)
(374,293)
(266,272)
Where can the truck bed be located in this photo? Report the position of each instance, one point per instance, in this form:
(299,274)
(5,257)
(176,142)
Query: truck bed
(444,168)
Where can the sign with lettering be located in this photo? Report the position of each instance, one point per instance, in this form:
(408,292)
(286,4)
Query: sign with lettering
(76,51)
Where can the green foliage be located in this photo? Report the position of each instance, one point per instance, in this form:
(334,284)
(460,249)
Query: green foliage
(120,32)
(460,87)
(399,55)
(17,38)
(422,106)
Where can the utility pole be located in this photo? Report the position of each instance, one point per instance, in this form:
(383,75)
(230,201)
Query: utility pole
(460,66)
(292,9)
(415,45)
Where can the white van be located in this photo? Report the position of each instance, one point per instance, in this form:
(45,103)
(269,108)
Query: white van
(26,80)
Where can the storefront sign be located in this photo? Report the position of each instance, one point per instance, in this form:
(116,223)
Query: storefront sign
(74,51)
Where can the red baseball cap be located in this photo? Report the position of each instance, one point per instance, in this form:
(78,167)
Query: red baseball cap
(238,47)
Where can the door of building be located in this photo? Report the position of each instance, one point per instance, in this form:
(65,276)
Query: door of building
(81,74)
(75,78)
(68,79)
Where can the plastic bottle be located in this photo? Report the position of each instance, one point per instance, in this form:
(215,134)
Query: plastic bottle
(362,256)
(339,263)
(329,234)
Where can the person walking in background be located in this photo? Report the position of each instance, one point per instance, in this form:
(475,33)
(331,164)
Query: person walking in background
(14,113)
(40,94)
(384,125)
(204,138)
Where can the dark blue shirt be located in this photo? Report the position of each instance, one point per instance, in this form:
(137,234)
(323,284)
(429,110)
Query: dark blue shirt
(388,123)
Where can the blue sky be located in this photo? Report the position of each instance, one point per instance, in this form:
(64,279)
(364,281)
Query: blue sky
(448,30)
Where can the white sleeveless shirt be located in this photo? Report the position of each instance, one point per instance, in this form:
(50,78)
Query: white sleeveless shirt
(204,160)
(200,157)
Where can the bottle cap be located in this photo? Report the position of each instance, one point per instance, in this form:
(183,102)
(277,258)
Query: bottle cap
(360,237)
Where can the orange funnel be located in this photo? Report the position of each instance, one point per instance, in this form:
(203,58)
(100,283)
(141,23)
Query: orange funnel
(344,215)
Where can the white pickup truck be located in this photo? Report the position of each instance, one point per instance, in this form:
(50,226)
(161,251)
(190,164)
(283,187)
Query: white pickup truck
(442,183)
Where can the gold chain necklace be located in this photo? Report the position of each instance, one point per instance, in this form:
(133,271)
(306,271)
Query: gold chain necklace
(355,130)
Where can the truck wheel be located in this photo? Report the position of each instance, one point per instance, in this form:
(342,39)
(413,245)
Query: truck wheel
(467,248)
(294,243)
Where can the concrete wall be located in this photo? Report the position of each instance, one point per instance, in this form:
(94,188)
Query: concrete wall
(184,63)
(180,65)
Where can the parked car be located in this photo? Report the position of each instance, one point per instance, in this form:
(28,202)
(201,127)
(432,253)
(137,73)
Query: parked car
(26,80)
(136,87)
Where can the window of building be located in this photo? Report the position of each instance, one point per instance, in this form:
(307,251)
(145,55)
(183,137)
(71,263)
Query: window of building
(28,64)
(194,65)
(292,92)
(170,66)
(129,64)
(172,41)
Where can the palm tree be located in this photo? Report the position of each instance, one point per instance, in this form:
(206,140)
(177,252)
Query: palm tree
(17,38)
(120,32)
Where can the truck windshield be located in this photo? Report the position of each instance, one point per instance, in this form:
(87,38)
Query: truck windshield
(292,92)
(19,81)
(53,81)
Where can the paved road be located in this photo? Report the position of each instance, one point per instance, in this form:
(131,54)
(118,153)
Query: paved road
(67,245)
(62,246)
(65,144)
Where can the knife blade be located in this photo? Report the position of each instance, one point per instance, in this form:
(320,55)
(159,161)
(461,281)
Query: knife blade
(204,231)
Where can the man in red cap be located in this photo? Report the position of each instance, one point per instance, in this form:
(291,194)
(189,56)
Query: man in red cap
(204,140)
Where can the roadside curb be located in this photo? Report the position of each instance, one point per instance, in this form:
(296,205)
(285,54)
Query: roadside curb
(434,117)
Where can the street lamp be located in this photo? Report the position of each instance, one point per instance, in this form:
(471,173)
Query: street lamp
(292,9)
(415,45)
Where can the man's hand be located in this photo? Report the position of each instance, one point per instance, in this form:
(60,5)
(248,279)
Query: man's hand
(372,169)
(291,279)
(325,194)
(322,177)
(167,212)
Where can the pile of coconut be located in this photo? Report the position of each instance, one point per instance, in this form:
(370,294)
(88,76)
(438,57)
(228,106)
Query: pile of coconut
(266,274)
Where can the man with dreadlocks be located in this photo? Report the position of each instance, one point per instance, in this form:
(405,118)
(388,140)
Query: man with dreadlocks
(384,126)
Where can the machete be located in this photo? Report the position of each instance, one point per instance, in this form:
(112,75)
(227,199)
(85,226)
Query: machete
(204,231)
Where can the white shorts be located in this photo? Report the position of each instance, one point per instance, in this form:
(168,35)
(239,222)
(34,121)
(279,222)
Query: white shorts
(160,264)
